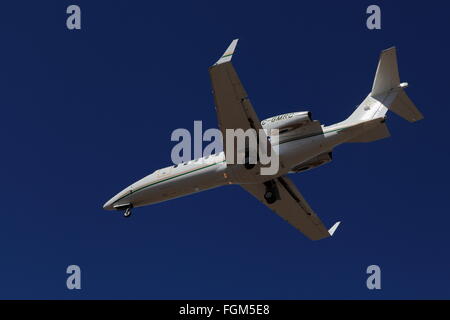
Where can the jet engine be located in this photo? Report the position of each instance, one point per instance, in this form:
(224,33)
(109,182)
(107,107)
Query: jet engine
(287,122)
(313,163)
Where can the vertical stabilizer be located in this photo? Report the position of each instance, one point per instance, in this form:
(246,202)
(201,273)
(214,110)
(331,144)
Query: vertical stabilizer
(387,76)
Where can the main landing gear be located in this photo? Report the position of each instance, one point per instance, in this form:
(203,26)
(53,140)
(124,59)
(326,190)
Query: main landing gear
(272,194)
(270,197)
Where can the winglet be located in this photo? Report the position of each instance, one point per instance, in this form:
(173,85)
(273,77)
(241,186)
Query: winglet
(226,57)
(333,228)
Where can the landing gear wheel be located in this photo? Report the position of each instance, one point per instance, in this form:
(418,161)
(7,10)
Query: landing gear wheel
(127,213)
(270,197)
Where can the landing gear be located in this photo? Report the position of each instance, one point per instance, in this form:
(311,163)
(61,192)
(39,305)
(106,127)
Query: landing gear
(270,197)
(124,206)
(127,212)
(272,194)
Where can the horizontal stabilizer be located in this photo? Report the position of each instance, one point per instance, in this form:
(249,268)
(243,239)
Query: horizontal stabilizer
(405,108)
(379,132)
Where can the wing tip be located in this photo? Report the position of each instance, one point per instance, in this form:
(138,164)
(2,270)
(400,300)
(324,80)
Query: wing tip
(333,229)
(228,54)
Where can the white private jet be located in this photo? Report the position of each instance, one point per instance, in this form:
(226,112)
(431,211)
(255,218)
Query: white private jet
(303,144)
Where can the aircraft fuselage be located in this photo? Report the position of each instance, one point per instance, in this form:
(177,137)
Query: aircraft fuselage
(213,171)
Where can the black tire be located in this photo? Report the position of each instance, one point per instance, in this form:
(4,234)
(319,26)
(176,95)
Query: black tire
(270,197)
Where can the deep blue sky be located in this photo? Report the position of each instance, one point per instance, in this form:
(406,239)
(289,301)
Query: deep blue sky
(86,113)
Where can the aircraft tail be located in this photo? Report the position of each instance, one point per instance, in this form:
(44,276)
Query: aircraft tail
(387,94)
(389,91)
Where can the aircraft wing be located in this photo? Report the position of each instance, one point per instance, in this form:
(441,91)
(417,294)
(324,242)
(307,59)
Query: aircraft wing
(292,207)
(233,107)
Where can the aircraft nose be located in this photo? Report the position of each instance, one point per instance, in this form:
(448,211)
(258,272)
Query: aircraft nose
(109,204)
(118,200)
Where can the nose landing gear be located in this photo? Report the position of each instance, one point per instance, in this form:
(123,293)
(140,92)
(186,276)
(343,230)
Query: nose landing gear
(127,212)
(127,207)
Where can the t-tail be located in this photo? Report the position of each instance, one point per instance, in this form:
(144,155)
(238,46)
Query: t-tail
(387,94)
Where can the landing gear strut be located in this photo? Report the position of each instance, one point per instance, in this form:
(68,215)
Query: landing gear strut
(124,206)
(127,212)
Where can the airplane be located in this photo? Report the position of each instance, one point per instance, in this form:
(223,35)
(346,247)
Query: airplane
(303,144)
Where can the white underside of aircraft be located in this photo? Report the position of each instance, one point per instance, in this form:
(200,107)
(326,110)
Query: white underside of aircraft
(303,144)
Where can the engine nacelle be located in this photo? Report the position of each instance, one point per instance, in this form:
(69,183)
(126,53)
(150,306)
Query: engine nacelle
(287,122)
(314,162)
